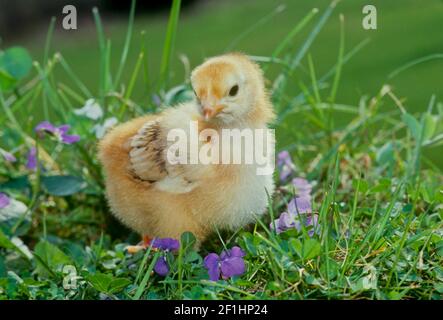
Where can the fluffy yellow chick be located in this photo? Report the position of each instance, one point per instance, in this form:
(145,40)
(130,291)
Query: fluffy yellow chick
(159,199)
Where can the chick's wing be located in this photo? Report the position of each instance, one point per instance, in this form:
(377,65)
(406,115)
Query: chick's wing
(148,161)
(147,153)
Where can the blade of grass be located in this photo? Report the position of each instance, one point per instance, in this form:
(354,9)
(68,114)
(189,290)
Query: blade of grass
(314,80)
(257,24)
(330,198)
(103,54)
(384,220)
(171,33)
(357,250)
(399,246)
(339,67)
(48,41)
(74,78)
(131,84)
(108,76)
(303,50)
(313,35)
(146,277)
(283,113)
(144,51)
(24,100)
(50,95)
(142,264)
(71,93)
(297,28)
(355,125)
(127,44)
(413,63)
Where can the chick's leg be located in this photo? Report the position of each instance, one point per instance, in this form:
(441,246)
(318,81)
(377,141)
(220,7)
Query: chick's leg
(142,245)
(146,241)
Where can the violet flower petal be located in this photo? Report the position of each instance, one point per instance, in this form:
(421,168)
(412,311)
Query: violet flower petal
(66,138)
(274,225)
(9,157)
(282,158)
(60,132)
(237,252)
(166,244)
(300,205)
(285,172)
(31,163)
(280,224)
(233,252)
(161,266)
(211,263)
(70,139)
(4,200)
(46,126)
(301,183)
(232,266)
(302,186)
(303,193)
(285,221)
(63,129)
(313,221)
(285,165)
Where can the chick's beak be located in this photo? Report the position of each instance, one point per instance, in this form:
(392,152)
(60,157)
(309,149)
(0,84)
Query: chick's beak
(210,112)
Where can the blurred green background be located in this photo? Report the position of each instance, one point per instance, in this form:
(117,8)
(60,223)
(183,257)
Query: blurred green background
(407,30)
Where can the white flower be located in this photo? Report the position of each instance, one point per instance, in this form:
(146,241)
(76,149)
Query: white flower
(22,247)
(91,110)
(15,210)
(100,129)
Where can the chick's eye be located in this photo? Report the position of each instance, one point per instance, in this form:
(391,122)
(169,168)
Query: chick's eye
(233,91)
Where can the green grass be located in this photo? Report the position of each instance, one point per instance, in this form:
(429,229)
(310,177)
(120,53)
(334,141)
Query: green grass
(376,193)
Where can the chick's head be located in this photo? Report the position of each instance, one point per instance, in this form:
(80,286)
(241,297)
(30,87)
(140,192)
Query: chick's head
(230,88)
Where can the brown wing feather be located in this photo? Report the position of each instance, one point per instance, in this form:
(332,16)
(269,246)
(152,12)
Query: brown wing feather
(147,153)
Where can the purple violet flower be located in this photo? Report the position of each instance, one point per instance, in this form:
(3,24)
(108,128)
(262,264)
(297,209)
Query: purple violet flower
(284,222)
(312,220)
(288,221)
(31,163)
(230,263)
(61,132)
(9,157)
(299,210)
(285,165)
(302,187)
(165,244)
(161,266)
(4,200)
(299,205)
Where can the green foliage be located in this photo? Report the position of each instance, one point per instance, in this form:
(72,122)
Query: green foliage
(50,258)
(62,185)
(15,64)
(108,284)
